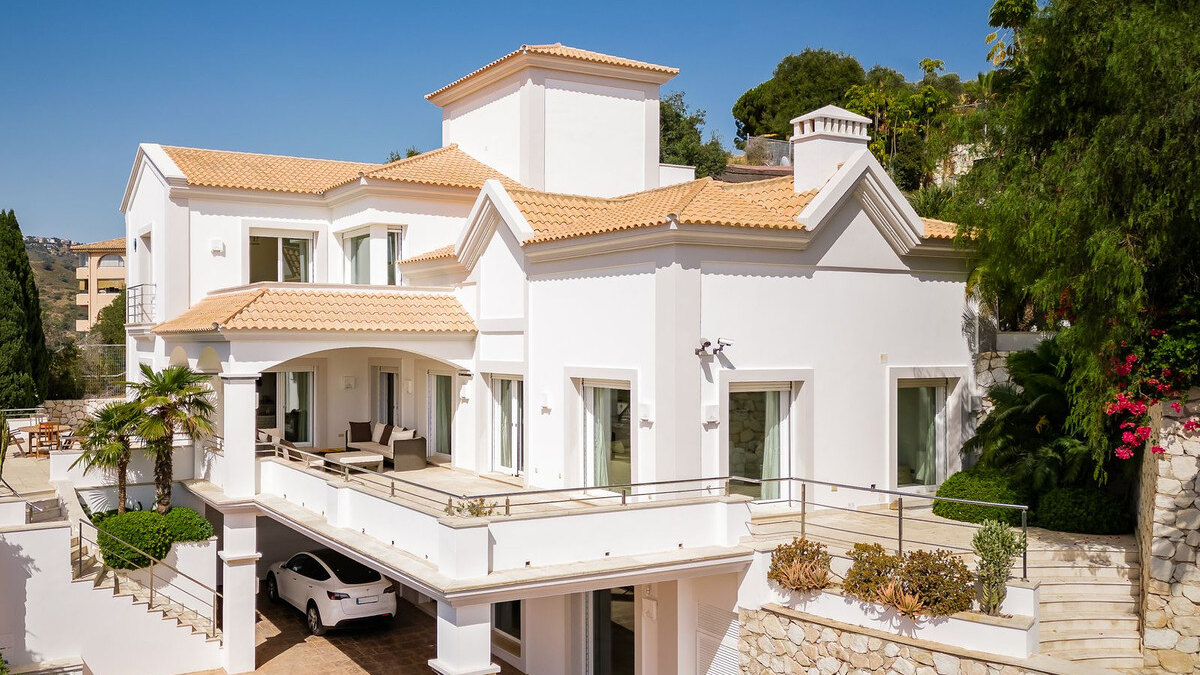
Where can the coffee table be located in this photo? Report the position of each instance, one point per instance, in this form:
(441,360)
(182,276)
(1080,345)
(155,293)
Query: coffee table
(366,460)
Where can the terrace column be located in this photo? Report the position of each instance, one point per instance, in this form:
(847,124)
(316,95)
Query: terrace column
(239,559)
(464,640)
(238,410)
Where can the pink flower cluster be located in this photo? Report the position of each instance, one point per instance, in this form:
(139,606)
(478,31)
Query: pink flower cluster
(1126,405)
(1191,425)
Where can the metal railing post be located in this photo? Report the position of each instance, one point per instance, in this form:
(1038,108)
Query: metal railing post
(624,492)
(900,526)
(803,510)
(151,585)
(1024,548)
(507,506)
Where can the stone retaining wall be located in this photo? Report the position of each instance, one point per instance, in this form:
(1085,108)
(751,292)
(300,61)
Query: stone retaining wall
(1169,538)
(990,368)
(789,642)
(72,412)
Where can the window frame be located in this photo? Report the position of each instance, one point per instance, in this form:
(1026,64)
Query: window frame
(349,254)
(588,387)
(279,236)
(942,388)
(431,412)
(394,277)
(518,430)
(785,391)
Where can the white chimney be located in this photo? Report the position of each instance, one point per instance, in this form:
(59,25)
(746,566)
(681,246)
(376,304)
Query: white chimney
(823,140)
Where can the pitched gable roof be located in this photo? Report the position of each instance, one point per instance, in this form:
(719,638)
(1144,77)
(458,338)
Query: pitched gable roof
(768,204)
(445,167)
(559,50)
(315,309)
(116,244)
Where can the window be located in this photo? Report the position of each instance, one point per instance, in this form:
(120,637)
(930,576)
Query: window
(358,258)
(83,259)
(387,399)
(287,396)
(287,259)
(758,437)
(441,412)
(110,286)
(507,455)
(395,241)
(111,260)
(506,618)
(608,458)
(83,285)
(611,632)
(920,432)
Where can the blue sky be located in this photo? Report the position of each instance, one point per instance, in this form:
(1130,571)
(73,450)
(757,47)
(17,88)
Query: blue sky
(84,83)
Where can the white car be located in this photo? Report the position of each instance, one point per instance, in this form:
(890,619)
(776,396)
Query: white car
(331,589)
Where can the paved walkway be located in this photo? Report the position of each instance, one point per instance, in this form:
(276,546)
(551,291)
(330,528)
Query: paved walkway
(26,474)
(402,646)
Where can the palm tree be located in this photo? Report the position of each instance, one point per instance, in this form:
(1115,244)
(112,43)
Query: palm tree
(175,400)
(107,442)
(1026,433)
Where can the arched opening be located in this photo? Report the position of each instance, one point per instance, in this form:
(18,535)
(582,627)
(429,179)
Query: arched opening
(111,260)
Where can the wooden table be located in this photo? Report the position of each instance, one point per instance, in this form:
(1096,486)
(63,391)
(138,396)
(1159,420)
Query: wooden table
(45,435)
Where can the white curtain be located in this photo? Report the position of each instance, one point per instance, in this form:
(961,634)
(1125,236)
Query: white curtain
(506,424)
(771,446)
(601,434)
(926,450)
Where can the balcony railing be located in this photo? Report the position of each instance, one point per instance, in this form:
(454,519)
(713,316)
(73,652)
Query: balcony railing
(139,304)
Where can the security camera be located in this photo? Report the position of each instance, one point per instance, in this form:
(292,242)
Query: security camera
(722,343)
(703,348)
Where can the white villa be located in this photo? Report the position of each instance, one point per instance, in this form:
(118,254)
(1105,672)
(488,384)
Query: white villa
(608,367)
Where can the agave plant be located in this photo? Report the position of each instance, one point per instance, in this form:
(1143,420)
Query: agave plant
(1025,434)
(107,442)
(893,594)
(175,400)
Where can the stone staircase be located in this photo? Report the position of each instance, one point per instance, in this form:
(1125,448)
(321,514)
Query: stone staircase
(87,568)
(1089,603)
(45,510)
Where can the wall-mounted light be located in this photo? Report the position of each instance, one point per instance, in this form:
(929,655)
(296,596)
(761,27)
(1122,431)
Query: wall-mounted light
(544,401)
(646,412)
(712,414)
(348,382)
(217,247)
(408,386)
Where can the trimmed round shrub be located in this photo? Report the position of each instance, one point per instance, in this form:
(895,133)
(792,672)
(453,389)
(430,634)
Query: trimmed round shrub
(983,486)
(144,530)
(184,524)
(1083,510)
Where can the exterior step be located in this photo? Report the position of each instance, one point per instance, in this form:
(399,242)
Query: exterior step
(1089,620)
(1077,639)
(1091,556)
(1102,658)
(1116,589)
(1060,571)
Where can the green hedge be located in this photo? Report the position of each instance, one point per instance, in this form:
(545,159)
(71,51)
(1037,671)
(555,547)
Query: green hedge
(142,529)
(184,524)
(149,531)
(983,486)
(1083,510)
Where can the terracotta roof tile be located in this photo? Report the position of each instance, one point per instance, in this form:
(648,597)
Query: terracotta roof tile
(763,204)
(560,50)
(314,309)
(116,244)
(939,229)
(442,253)
(445,167)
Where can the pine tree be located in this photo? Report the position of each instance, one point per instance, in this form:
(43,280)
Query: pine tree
(18,388)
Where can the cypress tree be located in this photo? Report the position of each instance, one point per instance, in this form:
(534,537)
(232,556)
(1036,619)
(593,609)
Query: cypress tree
(18,388)
(35,337)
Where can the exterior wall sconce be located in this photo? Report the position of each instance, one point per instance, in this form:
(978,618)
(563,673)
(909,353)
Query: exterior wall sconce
(348,382)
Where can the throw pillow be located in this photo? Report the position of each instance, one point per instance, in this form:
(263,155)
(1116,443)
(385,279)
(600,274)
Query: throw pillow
(377,432)
(402,434)
(385,436)
(360,432)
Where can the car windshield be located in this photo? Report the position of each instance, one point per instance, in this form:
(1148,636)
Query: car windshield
(347,570)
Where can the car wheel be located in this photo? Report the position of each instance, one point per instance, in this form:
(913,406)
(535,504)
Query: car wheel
(314,620)
(272,588)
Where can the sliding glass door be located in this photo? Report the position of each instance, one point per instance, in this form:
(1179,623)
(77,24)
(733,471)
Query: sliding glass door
(920,432)
(441,412)
(387,396)
(611,632)
(607,446)
(507,450)
(758,439)
(297,406)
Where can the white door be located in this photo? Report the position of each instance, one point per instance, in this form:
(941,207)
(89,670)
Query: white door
(507,443)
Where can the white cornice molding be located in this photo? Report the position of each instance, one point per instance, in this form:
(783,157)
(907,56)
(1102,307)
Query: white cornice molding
(493,207)
(671,234)
(864,178)
(152,155)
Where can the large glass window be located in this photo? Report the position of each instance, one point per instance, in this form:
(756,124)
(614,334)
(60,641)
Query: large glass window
(609,459)
(358,258)
(758,440)
(507,439)
(297,406)
(395,248)
(111,260)
(506,618)
(287,259)
(612,626)
(441,412)
(920,432)
(266,390)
